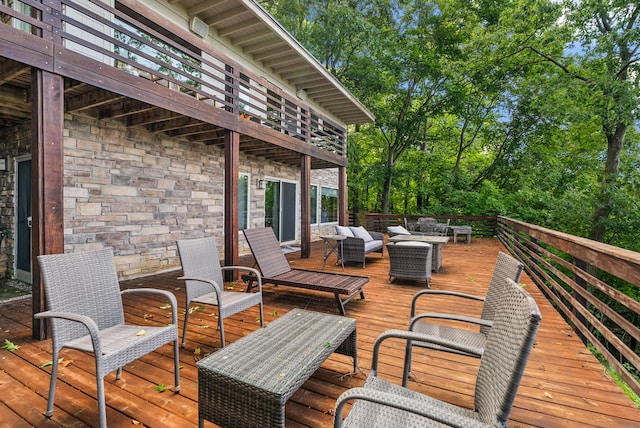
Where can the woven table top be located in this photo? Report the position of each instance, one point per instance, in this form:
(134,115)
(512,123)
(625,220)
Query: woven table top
(282,353)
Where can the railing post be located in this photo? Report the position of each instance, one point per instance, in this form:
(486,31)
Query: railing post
(583,266)
(233,88)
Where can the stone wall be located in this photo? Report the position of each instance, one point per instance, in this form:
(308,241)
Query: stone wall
(138,193)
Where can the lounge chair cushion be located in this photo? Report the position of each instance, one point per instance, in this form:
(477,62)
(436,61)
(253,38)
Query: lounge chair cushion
(361,232)
(344,231)
(397,230)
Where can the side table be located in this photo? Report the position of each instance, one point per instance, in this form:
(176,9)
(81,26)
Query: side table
(461,230)
(333,245)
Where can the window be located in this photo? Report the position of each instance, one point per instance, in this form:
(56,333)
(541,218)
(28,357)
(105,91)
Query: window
(22,8)
(243,201)
(314,204)
(328,205)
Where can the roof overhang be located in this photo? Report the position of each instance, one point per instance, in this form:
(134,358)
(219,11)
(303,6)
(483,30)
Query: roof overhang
(255,33)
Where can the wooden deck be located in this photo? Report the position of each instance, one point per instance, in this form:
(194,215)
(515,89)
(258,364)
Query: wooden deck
(564,385)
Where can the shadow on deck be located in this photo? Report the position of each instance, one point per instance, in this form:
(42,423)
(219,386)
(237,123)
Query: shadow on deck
(563,385)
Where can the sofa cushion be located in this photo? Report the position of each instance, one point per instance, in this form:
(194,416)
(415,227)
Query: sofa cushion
(372,246)
(344,231)
(398,230)
(361,232)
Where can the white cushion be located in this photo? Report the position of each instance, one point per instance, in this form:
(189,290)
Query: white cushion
(372,246)
(361,232)
(413,244)
(398,230)
(344,231)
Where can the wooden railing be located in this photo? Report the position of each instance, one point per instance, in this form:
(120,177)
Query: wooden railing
(112,37)
(482,226)
(595,286)
(590,284)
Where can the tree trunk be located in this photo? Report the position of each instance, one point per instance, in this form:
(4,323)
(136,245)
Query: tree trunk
(615,142)
(386,191)
(386,186)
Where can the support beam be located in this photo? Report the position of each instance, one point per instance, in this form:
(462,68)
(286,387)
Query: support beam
(343,215)
(305,206)
(47,126)
(231,179)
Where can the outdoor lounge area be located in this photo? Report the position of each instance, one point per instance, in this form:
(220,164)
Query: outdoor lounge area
(563,384)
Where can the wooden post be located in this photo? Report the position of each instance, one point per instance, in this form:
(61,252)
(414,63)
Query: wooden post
(231,180)
(47,133)
(343,217)
(305,206)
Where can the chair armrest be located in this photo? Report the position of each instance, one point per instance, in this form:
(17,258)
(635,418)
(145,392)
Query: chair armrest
(418,337)
(214,284)
(253,271)
(169,295)
(353,244)
(418,407)
(441,292)
(89,323)
(452,317)
(377,236)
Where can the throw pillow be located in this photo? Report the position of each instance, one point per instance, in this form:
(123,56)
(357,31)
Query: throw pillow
(361,232)
(344,231)
(398,230)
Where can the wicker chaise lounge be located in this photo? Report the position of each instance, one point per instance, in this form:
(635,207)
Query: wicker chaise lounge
(275,269)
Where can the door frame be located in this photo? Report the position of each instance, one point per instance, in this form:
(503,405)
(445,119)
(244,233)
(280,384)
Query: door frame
(296,205)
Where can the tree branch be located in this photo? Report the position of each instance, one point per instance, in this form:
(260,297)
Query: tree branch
(558,64)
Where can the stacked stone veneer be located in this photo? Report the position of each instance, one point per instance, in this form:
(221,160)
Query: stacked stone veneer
(138,193)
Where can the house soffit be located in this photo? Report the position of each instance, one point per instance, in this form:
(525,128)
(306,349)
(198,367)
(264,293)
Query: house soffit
(246,25)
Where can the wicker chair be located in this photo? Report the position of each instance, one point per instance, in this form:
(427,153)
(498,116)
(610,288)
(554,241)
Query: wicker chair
(84,304)
(380,403)
(359,243)
(430,226)
(505,267)
(410,260)
(205,285)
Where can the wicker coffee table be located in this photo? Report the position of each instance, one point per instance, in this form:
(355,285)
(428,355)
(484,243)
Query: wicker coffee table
(247,383)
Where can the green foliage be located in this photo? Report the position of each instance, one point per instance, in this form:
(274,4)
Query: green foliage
(615,376)
(10,346)
(489,107)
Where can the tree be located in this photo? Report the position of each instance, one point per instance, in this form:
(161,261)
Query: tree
(606,39)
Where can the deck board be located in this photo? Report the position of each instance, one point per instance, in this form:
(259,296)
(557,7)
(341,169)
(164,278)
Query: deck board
(563,385)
